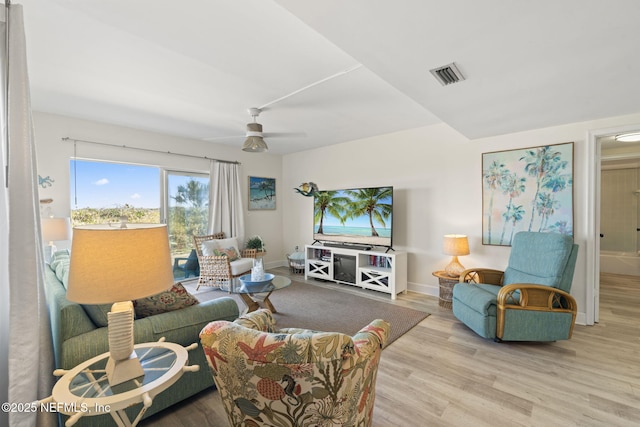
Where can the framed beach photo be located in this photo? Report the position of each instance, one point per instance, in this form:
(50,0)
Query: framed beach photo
(529,189)
(262,193)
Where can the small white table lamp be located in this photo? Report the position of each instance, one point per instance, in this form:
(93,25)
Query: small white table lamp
(117,265)
(455,245)
(54,230)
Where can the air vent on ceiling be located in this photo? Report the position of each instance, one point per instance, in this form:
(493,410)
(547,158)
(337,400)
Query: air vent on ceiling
(447,74)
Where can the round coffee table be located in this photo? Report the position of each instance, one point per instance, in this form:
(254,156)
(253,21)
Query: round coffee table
(250,294)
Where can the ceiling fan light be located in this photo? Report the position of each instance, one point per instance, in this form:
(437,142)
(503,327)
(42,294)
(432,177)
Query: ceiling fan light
(628,137)
(255,144)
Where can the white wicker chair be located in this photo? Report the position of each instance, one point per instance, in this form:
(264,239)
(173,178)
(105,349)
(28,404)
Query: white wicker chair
(217,271)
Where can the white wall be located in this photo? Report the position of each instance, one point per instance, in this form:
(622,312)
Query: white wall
(53,157)
(437,179)
(436,174)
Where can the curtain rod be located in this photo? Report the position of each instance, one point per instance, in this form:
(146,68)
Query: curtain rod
(66,138)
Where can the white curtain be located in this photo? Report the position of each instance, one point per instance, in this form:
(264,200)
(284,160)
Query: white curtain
(225,210)
(4,241)
(30,349)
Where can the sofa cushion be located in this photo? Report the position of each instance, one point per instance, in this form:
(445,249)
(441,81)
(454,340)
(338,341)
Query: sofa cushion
(221,247)
(60,265)
(173,299)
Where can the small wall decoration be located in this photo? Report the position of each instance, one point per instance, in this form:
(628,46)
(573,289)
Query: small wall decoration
(45,182)
(262,193)
(528,189)
(307,189)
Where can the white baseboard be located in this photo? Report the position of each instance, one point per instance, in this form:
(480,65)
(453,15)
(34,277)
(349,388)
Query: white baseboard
(423,288)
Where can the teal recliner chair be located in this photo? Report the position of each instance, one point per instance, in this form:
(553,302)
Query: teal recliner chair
(530,300)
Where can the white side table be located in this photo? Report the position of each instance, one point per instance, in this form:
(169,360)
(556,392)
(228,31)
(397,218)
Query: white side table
(85,391)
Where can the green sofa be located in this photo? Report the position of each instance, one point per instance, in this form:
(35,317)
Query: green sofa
(80,333)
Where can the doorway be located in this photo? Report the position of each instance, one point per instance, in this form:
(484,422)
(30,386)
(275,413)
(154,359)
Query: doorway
(616,170)
(619,217)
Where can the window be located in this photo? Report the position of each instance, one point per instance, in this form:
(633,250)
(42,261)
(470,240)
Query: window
(102,192)
(187,209)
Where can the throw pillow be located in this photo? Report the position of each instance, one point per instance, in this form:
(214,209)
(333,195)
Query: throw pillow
(173,299)
(230,252)
(208,247)
(222,247)
(98,313)
(61,254)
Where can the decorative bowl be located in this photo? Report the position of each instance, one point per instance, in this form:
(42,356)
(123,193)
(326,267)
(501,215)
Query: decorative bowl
(246,281)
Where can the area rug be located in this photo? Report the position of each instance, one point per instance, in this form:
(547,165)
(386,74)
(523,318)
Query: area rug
(307,306)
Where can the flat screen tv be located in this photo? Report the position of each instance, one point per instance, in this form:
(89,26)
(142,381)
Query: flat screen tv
(359,216)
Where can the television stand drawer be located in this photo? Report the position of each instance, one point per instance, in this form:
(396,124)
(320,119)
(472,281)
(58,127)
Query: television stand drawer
(319,269)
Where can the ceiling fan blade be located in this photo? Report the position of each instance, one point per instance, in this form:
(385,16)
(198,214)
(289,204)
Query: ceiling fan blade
(284,134)
(216,138)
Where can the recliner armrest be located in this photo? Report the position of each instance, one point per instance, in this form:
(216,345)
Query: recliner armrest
(532,297)
(487,276)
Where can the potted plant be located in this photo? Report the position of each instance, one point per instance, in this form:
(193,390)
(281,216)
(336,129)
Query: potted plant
(256,243)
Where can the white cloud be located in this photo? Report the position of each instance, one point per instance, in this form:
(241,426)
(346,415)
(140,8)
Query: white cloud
(102,181)
(135,196)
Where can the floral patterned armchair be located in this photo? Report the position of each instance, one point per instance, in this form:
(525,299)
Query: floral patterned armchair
(293,377)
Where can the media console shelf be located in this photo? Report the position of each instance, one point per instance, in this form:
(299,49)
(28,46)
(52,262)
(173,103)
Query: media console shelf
(378,271)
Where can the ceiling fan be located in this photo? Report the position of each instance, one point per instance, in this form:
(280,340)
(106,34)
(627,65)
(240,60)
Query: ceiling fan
(255,142)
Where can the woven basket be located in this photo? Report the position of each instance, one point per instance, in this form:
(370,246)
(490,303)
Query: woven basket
(446,293)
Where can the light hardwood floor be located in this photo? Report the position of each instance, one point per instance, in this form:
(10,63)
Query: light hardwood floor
(442,374)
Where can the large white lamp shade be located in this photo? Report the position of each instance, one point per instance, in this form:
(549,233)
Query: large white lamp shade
(117,265)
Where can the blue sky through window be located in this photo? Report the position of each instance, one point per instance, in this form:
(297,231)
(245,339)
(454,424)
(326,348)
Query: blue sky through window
(109,185)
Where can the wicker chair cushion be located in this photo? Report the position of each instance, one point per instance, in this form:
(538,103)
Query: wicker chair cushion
(241,265)
(221,247)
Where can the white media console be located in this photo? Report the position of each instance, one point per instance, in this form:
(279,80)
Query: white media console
(379,271)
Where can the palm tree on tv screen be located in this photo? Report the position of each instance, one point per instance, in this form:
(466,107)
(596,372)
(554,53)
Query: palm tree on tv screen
(328,202)
(372,202)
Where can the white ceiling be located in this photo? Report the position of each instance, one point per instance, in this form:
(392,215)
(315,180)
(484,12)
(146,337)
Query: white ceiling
(193,68)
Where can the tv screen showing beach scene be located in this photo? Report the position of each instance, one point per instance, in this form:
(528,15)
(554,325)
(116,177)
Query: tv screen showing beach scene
(354,216)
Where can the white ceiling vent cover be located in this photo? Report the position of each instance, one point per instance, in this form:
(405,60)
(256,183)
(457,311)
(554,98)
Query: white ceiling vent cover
(447,74)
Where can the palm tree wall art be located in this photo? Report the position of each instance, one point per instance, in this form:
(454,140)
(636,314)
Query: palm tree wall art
(262,193)
(528,189)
